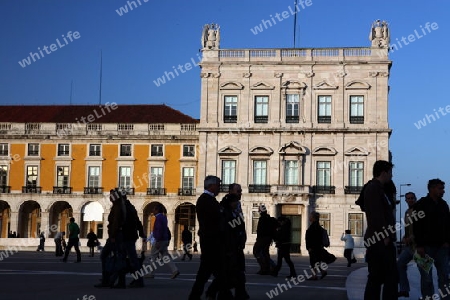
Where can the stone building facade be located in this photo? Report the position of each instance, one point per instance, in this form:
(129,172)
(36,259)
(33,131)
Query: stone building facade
(299,129)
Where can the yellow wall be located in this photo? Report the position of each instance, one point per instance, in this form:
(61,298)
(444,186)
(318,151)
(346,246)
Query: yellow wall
(78,168)
(109,170)
(140,174)
(172,172)
(47,170)
(17,171)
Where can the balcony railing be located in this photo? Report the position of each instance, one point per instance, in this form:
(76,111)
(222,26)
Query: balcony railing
(93,190)
(259,188)
(357,119)
(229,119)
(31,189)
(127,190)
(156,191)
(292,119)
(224,188)
(186,192)
(289,189)
(322,189)
(353,189)
(324,119)
(62,190)
(5,189)
(261,119)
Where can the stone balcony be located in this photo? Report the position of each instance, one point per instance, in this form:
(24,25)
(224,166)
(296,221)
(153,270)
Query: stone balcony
(295,190)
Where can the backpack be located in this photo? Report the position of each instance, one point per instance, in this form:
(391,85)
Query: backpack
(360,200)
(325,238)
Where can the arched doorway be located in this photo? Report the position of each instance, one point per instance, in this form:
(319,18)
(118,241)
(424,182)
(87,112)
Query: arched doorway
(149,218)
(60,213)
(92,219)
(5,215)
(184,216)
(29,219)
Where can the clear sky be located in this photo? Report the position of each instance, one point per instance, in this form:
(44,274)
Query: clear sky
(142,44)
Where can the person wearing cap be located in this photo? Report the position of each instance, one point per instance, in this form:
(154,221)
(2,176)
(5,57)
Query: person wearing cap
(264,235)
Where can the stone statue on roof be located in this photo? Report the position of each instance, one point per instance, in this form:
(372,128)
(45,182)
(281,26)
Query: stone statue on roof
(379,34)
(211,36)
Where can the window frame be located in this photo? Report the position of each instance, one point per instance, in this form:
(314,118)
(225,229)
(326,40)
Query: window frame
(263,116)
(188,150)
(325,221)
(63,149)
(357,115)
(123,148)
(94,152)
(291,117)
(229,107)
(360,232)
(89,177)
(31,151)
(158,152)
(324,108)
(4,149)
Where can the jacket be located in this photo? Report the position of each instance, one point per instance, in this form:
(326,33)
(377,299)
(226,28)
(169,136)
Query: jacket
(433,228)
(208,215)
(160,230)
(349,241)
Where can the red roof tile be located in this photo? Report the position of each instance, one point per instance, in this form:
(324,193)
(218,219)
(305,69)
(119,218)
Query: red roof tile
(76,113)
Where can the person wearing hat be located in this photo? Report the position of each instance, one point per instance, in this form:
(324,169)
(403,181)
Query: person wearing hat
(264,234)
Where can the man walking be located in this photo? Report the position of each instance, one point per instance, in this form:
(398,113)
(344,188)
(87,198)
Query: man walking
(349,245)
(208,215)
(74,231)
(380,236)
(264,235)
(283,243)
(315,246)
(59,236)
(186,238)
(408,250)
(432,235)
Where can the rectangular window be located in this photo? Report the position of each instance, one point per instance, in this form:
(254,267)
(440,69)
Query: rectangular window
(323,173)
(94,177)
(156,177)
(261,109)
(292,108)
(259,172)
(63,149)
(189,150)
(62,178)
(355,223)
(324,112)
(124,177)
(255,220)
(3,149)
(291,172)
(157,150)
(228,172)
(356,173)
(188,127)
(125,150)
(357,109)
(230,109)
(33,149)
(3,176)
(324,221)
(95,150)
(32,176)
(188,178)
(156,127)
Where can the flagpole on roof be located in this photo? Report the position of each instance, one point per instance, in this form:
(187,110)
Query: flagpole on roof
(295,20)
(101,69)
(71,92)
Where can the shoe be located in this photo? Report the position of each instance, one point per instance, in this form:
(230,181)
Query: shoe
(403,294)
(149,275)
(175,275)
(324,273)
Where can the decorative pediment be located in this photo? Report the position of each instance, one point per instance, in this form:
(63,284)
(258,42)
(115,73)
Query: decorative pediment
(262,86)
(357,151)
(229,150)
(293,85)
(260,150)
(292,148)
(357,85)
(324,85)
(324,151)
(231,85)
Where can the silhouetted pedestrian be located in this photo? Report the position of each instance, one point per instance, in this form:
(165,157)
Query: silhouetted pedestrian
(92,242)
(41,242)
(74,231)
(349,245)
(186,238)
(283,243)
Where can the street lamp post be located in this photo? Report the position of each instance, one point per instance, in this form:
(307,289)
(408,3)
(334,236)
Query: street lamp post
(401,195)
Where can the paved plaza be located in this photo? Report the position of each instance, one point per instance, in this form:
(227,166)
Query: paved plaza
(41,275)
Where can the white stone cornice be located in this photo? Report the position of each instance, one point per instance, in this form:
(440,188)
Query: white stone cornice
(125,158)
(262,86)
(324,85)
(330,151)
(357,85)
(94,158)
(62,158)
(231,85)
(32,158)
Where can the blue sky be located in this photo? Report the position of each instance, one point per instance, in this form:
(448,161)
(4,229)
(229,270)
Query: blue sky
(139,46)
